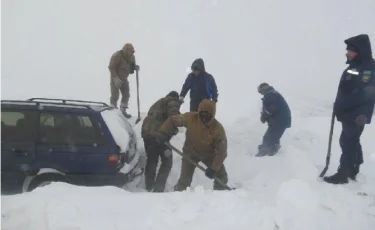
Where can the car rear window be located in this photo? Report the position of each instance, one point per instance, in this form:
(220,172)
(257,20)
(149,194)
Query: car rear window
(69,129)
(120,128)
(18,126)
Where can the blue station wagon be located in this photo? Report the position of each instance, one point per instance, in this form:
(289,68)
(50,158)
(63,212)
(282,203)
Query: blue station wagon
(78,142)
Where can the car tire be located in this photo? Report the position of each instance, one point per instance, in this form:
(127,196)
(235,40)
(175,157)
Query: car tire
(45,179)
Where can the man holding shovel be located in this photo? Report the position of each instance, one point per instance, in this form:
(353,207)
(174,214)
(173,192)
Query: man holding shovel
(205,141)
(354,106)
(122,63)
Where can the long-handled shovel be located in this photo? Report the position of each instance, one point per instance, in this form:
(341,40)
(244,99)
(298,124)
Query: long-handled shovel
(139,112)
(197,165)
(329,145)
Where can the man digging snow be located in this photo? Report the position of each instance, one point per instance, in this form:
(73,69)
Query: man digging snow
(205,141)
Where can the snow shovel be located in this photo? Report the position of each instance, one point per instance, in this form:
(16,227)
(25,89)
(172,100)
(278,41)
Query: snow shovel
(139,112)
(197,165)
(329,145)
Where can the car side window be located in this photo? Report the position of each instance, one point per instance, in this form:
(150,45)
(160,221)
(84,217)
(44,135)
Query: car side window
(69,129)
(18,126)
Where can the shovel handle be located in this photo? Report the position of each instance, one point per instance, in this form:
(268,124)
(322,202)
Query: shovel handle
(196,164)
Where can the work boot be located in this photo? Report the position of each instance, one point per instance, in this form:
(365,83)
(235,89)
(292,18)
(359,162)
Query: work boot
(341,177)
(158,189)
(274,149)
(179,188)
(262,151)
(123,110)
(353,172)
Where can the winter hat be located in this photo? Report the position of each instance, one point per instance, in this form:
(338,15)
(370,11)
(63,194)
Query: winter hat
(352,48)
(128,49)
(173,94)
(198,64)
(208,106)
(264,87)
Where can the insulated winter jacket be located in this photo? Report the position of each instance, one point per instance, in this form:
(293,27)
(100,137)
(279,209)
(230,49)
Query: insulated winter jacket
(356,90)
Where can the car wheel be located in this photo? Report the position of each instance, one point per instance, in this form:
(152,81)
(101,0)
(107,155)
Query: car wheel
(46,179)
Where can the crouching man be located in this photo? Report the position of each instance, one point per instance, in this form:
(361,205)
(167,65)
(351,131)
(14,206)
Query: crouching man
(159,112)
(277,114)
(205,141)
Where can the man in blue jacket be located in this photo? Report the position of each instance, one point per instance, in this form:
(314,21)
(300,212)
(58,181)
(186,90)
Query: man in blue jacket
(277,114)
(201,84)
(354,106)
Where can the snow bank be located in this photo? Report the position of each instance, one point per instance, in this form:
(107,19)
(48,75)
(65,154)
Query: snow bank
(297,206)
(115,122)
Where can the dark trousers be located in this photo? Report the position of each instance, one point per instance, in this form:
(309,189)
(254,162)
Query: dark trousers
(273,135)
(352,156)
(194,104)
(155,151)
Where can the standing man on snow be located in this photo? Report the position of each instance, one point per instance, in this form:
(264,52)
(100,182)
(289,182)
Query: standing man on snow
(158,113)
(205,141)
(201,84)
(354,106)
(277,114)
(122,64)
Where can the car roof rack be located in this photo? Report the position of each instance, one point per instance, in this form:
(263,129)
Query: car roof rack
(68,102)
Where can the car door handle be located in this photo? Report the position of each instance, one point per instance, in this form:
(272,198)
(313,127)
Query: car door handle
(19,152)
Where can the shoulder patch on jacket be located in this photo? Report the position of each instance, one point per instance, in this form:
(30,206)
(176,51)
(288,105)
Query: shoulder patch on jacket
(366,78)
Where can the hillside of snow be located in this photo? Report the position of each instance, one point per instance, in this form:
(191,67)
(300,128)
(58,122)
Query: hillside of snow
(273,193)
(61,49)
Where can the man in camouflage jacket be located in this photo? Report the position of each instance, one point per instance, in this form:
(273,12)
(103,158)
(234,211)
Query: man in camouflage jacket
(122,64)
(156,116)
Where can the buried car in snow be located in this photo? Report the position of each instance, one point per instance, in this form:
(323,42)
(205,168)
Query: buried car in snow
(78,142)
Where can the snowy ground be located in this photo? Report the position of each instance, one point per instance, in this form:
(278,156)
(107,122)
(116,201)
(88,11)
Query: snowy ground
(61,49)
(280,192)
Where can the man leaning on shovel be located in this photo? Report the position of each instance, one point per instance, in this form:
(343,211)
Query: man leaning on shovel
(205,141)
(121,64)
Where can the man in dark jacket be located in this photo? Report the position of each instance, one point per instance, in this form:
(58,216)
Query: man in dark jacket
(201,84)
(277,114)
(354,106)
(158,113)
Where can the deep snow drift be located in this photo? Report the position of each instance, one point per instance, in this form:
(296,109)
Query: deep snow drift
(62,49)
(280,192)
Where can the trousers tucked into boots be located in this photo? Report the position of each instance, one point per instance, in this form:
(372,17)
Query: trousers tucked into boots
(351,157)
(187,172)
(156,181)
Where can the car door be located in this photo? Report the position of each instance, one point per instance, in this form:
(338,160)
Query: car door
(18,139)
(69,142)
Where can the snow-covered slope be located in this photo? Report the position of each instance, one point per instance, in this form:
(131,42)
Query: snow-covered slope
(62,49)
(280,192)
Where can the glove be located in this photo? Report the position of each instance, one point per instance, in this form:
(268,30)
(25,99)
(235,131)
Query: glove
(118,83)
(182,100)
(161,137)
(137,68)
(210,173)
(361,120)
(262,118)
